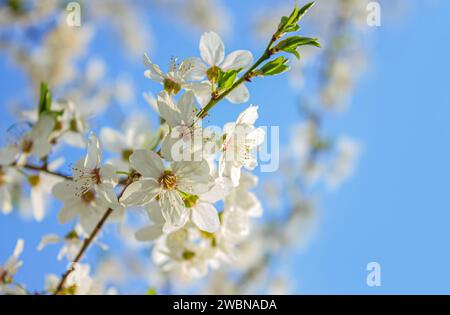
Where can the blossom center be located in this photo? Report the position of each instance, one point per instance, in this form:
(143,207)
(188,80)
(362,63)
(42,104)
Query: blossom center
(34,180)
(213,73)
(188,255)
(27,145)
(73,126)
(168,180)
(171,86)
(88,196)
(126,154)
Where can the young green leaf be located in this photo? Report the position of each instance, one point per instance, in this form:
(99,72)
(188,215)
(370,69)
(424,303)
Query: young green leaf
(45,99)
(275,66)
(226,79)
(290,24)
(291,44)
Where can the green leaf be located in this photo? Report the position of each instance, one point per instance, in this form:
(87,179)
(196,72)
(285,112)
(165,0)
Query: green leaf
(291,44)
(226,79)
(45,99)
(275,66)
(290,24)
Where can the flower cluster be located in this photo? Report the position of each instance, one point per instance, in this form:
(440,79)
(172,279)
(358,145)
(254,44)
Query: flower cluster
(194,182)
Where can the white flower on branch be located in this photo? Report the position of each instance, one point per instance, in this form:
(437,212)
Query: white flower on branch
(241,138)
(91,192)
(168,186)
(212,51)
(175,79)
(33,143)
(136,135)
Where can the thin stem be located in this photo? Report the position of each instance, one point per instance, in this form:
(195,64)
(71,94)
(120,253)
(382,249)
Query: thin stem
(46,170)
(88,241)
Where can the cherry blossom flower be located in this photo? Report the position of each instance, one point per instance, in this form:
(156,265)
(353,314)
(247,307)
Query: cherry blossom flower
(175,79)
(241,138)
(136,135)
(212,51)
(35,143)
(169,186)
(72,243)
(9,269)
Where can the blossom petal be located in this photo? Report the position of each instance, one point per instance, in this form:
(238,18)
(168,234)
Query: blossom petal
(239,95)
(212,49)
(239,59)
(8,155)
(147,163)
(38,203)
(149,233)
(248,116)
(47,240)
(113,140)
(205,217)
(173,209)
(94,153)
(195,69)
(153,72)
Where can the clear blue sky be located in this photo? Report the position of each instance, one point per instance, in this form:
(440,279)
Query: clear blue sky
(395,210)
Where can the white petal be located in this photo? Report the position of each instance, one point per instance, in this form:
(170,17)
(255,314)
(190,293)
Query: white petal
(41,147)
(239,95)
(147,163)
(5,200)
(19,247)
(255,137)
(167,110)
(113,140)
(187,108)
(43,127)
(202,92)
(248,116)
(149,233)
(154,72)
(218,192)
(173,209)
(197,69)
(205,217)
(94,153)
(211,48)
(239,59)
(48,239)
(140,192)
(8,155)
(38,204)
(67,213)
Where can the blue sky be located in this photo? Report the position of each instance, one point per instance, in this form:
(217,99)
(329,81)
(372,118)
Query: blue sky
(394,210)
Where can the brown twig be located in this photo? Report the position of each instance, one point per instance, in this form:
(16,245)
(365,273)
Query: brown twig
(87,242)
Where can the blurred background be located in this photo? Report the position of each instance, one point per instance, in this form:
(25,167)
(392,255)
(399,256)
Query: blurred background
(364,129)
